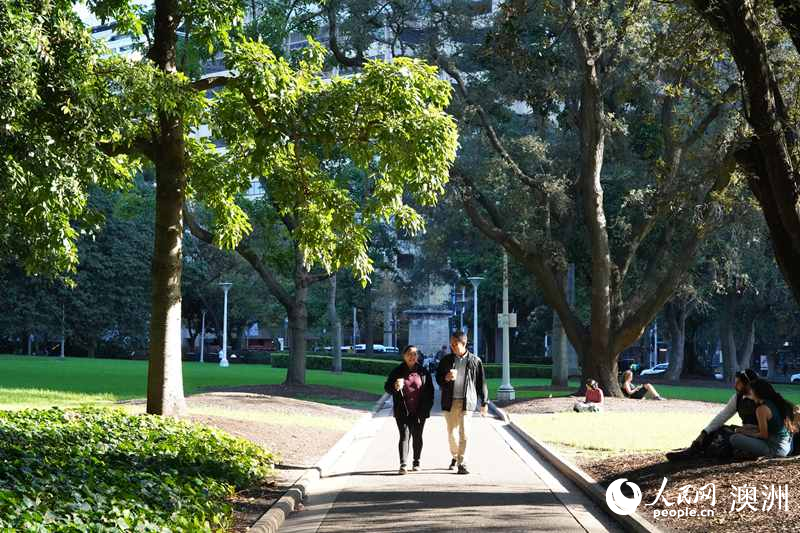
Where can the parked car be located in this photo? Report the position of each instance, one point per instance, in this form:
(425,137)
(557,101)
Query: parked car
(795,378)
(658,369)
(391,349)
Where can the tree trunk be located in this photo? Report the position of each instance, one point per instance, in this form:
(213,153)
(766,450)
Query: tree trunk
(745,350)
(164,373)
(91,349)
(675,314)
(335,327)
(605,370)
(558,350)
(730,362)
(774,175)
(298,324)
(369,318)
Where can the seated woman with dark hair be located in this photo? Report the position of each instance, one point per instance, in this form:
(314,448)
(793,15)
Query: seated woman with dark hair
(774,415)
(594,398)
(638,392)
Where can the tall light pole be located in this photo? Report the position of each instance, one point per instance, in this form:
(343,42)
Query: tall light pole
(506,391)
(475,280)
(203,336)
(223,355)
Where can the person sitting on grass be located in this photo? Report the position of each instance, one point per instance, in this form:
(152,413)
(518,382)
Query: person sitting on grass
(594,398)
(638,392)
(772,438)
(714,440)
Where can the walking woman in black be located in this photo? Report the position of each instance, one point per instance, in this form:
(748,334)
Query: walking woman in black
(411,388)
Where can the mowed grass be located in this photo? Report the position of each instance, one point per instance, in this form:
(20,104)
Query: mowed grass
(615,432)
(45,381)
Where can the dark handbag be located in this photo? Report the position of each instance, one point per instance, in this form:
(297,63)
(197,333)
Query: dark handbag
(719,445)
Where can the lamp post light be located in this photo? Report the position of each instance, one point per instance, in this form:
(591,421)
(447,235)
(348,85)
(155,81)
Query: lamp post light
(475,280)
(203,336)
(223,355)
(508,320)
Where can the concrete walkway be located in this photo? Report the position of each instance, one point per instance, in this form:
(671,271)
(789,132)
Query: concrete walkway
(508,488)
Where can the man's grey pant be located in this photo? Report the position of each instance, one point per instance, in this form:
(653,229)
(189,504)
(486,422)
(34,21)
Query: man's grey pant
(458,421)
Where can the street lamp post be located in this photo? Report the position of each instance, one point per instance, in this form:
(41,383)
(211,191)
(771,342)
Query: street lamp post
(506,391)
(223,355)
(475,280)
(203,336)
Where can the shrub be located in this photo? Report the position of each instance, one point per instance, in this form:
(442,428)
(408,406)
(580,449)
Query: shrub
(358,365)
(105,470)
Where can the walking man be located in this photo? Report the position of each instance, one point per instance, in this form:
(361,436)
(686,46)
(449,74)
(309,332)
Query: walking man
(463,384)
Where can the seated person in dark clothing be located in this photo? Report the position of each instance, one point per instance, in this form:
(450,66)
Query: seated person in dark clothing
(740,403)
(638,392)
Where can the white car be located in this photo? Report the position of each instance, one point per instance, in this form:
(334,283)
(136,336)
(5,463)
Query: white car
(658,369)
(795,378)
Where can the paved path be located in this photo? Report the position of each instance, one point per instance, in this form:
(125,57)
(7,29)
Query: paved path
(508,488)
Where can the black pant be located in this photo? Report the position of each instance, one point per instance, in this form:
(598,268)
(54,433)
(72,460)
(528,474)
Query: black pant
(410,427)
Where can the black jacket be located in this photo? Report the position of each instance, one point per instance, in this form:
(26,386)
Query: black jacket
(425,401)
(477,394)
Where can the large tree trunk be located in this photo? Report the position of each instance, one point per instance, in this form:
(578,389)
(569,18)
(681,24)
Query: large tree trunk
(336,328)
(298,324)
(675,314)
(605,370)
(164,374)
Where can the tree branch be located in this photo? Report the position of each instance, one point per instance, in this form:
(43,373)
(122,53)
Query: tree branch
(249,255)
(474,202)
(211,82)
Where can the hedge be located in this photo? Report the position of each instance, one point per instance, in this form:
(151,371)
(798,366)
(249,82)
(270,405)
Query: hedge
(382,367)
(375,367)
(103,470)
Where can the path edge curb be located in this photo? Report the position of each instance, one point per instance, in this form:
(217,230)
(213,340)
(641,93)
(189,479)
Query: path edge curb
(633,523)
(274,517)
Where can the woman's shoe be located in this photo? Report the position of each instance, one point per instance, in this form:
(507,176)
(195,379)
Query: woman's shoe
(403,470)
(415,468)
(452,465)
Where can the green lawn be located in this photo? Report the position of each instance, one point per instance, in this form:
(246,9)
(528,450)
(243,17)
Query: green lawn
(615,432)
(44,381)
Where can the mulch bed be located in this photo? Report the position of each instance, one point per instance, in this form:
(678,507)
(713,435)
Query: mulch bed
(649,470)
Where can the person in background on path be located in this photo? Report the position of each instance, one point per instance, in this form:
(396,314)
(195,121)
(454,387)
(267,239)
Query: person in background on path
(740,403)
(638,392)
(463,383)
(772,437)
(411,387)
(594,398)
